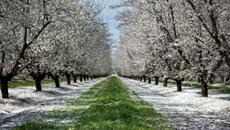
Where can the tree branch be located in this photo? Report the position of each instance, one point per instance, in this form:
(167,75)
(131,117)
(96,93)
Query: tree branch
(39,32)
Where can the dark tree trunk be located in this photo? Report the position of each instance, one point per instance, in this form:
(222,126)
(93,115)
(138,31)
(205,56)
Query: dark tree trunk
(198,80)
(204,88)
(68,78)
(156,80)
(144,79)
(38,84)
(210,81)
(57,82)
(38,77)
(87,77)
(80,78)
(178,83)
(75,78)
(165,82)
(141,79)
(4,87)
(84,78)
(222,79)
(149,80)
(227,79)
(56,79)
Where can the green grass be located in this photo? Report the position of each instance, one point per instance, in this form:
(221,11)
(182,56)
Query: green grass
(211,88)
(106,106)
(30,83)
(219,89)
(18,78)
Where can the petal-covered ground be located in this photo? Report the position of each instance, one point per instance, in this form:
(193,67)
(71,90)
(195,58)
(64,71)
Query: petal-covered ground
(186,109)
(27,104)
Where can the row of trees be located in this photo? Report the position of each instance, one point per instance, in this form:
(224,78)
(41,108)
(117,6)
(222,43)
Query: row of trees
(174,39)
(43,37)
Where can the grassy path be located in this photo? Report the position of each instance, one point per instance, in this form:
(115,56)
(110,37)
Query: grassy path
(109,105)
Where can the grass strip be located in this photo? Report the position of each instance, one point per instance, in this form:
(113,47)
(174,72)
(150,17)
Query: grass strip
(106,106)
(211,88)
(31,83)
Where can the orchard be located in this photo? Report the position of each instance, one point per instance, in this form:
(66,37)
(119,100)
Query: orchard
(62,37)
(64,64)
(174,39)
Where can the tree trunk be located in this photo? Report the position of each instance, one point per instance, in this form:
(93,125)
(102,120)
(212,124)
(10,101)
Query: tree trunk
(144,79)
(87,77)
(210,81)
(84,78)
(227,79)
(198,80)
(149,80)
(75,78)
(80,78)
(204,88)
(178,83)
(57,82)
(38,84)
(222,79)
(68,78)
(165,82)
(141,79)
(56,79)
(4,87)
(38,77)
(156,80)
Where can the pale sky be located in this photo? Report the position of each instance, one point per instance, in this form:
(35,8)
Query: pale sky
(108,15)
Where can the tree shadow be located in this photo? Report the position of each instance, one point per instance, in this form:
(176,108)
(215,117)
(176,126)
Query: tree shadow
(17,119)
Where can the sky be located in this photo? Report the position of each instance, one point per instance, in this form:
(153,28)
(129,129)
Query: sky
(108,16)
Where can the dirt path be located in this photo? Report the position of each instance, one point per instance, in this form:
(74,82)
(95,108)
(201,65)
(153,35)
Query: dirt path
(28,104)
(187,110)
